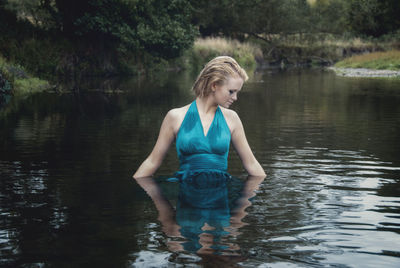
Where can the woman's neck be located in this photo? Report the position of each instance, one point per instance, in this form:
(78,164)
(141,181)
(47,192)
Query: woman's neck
(206,105)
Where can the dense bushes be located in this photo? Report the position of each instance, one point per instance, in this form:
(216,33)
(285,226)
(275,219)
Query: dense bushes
(15,80)
(74,38)
(93,37)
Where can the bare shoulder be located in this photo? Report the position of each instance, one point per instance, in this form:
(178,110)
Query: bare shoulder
(175,117)
(231,118)
(177,113)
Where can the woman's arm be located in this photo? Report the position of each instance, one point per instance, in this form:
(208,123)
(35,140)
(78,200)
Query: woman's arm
(242,147)
(165,138)
(249,190)
(166,213)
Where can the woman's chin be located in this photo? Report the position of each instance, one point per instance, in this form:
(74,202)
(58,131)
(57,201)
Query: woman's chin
(227,105)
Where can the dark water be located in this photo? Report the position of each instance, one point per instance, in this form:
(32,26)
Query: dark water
(329,145)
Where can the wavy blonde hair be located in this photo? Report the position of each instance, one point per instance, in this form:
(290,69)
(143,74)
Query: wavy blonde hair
(217,70)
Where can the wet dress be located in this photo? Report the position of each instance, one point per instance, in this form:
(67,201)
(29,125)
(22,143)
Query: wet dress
(200,153)
(203,177)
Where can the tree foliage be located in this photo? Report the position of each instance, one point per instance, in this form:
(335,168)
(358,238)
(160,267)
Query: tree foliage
(161,28)
(263,17)
(165,28)
(374,17)
(254,17)
(328,16)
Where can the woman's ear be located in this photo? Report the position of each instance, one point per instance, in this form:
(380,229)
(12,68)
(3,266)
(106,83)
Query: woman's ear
(214,86)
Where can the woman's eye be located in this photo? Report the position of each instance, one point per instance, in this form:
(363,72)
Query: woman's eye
(231,92)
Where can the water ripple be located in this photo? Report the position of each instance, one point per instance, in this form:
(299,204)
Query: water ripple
(333,199)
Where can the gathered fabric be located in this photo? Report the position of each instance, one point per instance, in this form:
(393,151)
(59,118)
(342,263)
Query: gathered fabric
(205,190)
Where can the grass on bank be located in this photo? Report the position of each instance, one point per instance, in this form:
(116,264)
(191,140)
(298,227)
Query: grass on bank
(386,60)
(18,81)
(320,48)
(204,49)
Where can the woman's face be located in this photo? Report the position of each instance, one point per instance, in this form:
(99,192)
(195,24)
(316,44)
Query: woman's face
(227,93)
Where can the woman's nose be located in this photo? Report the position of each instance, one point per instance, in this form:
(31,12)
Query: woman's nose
(234,96)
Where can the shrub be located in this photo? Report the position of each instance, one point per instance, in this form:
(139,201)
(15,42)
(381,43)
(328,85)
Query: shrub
(205,49)
(17,80)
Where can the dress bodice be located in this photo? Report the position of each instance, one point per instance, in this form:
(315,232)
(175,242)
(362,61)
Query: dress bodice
(199,152)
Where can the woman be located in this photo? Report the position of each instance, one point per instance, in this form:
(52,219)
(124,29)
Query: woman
(204,129)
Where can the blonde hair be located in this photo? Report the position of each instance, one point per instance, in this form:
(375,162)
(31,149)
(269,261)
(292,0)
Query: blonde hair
(217,70)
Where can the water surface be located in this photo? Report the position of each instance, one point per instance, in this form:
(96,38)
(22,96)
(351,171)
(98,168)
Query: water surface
(328,144)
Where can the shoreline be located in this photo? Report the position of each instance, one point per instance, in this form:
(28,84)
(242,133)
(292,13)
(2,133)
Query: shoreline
(364,72)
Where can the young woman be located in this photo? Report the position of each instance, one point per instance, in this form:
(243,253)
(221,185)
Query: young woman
(204,129)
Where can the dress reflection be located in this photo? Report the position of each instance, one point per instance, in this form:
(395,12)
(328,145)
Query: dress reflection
(209,210)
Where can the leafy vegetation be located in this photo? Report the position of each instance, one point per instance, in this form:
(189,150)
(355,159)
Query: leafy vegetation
(16,80)
(95,36)
(260,19)
(74,38)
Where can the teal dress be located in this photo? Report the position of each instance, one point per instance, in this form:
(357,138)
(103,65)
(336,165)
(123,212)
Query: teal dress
(203,178)
(199,153)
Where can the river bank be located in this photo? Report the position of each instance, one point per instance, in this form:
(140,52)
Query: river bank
(376,64)
(15,80)
(364,72)
(364,62)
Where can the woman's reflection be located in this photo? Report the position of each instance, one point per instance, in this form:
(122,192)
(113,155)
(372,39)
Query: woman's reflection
(210,208)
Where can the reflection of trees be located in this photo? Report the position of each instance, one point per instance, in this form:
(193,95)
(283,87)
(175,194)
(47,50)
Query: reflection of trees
(63,160)
(294,122)
(316,201)
(55,212)
(32,212)
(64,157)
(316,108)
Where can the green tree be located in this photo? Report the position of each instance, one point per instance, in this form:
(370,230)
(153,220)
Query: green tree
(374,17)
(159,27)
(258,18)
(328,16)
(38,12)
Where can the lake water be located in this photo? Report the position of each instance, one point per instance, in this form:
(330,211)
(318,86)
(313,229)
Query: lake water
(329,145)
